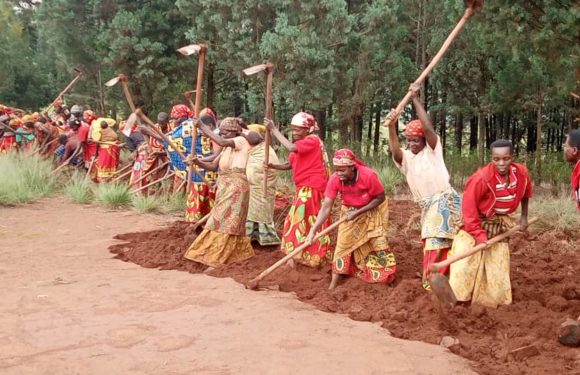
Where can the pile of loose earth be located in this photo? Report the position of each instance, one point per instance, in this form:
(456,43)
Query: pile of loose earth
(520,338)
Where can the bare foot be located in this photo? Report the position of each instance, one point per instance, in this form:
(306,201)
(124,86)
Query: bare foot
(291,264)
(335,278)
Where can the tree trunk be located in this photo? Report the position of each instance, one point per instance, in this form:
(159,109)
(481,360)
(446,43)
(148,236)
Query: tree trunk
(443,120)
(210,93)
(327,129)
(481,138)
(368,141)
(539,120)
(459,131)
(473,133)
(376,140)
(320,116)
(101,93)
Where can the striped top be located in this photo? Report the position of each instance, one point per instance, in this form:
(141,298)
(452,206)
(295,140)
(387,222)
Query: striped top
(505,193)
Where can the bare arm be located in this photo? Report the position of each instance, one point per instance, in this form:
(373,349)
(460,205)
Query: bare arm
(208,165)
(280,167)
(212,157)
(524,217)
(394,144)
(321,218)
(223,142)
(430,135)
(279,136)
(374,203)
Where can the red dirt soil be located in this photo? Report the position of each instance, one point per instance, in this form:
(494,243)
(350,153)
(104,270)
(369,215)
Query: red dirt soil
(544,273)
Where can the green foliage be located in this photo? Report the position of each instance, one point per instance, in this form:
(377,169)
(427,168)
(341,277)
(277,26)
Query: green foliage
(146,203)
(79,189)
(514,63)
(556,212)
(24,178)
(114,195)
(391,177)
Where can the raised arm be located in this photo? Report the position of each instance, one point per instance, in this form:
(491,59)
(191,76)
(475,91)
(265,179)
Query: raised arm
(279,136)
(394,144)
(221,141)
(430,135)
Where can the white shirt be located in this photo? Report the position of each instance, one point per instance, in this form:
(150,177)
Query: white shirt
(426,172)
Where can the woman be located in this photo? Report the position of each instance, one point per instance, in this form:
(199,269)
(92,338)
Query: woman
(362,248)
(428,179)
(108,154)
(572,156)
(260,223)
(310,172)
(491,195)
(223,240)
(201,197)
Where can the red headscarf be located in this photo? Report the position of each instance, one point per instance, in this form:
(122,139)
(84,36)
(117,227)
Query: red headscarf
(181,111)
(305,120)
(346,158)
(414,129)
(208,111)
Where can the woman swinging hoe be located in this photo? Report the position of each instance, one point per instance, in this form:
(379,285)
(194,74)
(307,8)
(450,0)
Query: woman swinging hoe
(362,248)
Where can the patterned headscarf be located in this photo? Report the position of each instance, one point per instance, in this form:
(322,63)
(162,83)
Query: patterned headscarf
(305,120)
(180,111)
(231,124)
(414,129)
(345,158)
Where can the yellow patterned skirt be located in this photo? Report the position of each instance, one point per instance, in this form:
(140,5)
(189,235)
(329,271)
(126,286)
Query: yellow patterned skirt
(362,248)
(484,277)
(224,240)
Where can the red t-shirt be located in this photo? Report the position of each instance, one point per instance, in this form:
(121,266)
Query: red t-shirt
(575,181)
(366,187)
(83,133)
(308,164)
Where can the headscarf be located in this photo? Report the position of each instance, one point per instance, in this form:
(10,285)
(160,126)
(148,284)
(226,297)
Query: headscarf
(181,111)
(305,120)
(15,123)
(346,158)
(231,124)
(260,129)
(414,129)
(27,118)
(89,117)
(208,112)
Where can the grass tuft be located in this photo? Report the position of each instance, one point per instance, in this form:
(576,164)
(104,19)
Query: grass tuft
(78,189)
(112,195)
(146,204)
(24,178)
(555,212)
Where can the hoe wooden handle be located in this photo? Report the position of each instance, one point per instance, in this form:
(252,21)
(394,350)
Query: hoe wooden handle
(437,266)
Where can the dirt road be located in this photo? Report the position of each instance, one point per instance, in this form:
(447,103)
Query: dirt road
(69,308)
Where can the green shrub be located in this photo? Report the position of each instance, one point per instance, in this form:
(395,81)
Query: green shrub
(25,178)
(555,212)
(114,195)
(147,204)
(78,189)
